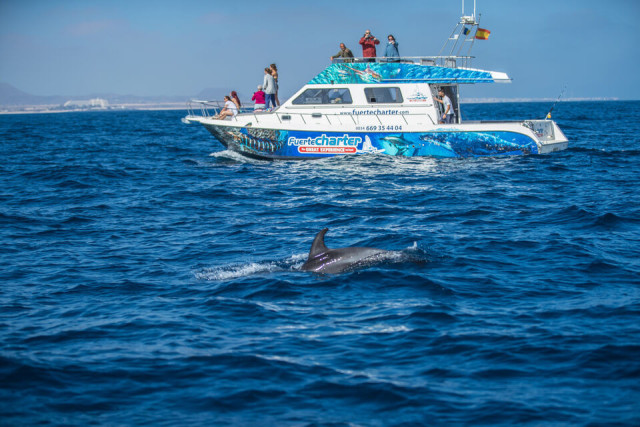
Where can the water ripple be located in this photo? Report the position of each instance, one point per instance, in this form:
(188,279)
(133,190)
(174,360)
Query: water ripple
(153,278)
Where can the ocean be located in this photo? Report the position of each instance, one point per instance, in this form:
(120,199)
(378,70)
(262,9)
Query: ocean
(151,278)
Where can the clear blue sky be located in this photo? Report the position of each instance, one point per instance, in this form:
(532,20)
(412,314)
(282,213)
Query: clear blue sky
(141,47)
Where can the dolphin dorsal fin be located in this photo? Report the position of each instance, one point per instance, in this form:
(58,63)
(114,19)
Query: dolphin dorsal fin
(318,246)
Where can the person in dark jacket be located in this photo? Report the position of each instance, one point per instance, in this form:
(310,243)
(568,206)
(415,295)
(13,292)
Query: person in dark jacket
(344,53)
(391,52)
(369,42)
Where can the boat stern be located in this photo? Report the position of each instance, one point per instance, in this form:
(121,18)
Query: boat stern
(549,136)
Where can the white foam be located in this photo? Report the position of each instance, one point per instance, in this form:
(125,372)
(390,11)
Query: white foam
(234,271)
(236,157)
(368,330)
(374,329)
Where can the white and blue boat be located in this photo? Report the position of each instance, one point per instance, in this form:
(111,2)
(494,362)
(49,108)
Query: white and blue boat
(382,107)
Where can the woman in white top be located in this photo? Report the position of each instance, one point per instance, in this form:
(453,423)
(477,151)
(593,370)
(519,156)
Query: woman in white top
(230,109)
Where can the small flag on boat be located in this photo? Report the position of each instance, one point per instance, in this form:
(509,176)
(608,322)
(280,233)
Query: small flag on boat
(466,31)
(482,34)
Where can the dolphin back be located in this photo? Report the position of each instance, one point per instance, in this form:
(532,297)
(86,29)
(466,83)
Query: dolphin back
(324,260)
(318,247)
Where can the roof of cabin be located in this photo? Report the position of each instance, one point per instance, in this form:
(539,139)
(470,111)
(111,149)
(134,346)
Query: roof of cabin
(397,72)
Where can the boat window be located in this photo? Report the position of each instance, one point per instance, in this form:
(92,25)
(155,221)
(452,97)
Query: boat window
(383,95)
(324,96)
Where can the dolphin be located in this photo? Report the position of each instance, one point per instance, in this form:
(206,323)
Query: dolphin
(324,260)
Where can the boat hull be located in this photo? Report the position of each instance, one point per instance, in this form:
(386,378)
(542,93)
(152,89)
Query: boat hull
(299,144)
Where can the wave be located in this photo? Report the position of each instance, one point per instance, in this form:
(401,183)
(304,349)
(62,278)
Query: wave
(148,283)
(605,151)
(577,216)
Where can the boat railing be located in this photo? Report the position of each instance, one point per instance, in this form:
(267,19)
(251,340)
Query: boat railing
(544,129)
(209,108)
(305,117)
(437,61)
(203,107)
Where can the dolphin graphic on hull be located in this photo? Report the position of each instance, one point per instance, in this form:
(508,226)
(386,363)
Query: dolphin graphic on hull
(330,261)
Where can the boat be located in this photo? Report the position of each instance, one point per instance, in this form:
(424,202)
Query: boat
(355,106)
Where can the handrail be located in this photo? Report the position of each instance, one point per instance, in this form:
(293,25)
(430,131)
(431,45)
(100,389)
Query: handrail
(544,128)
(438,61)
(216,105)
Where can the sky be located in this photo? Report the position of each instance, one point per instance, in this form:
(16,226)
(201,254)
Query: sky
(179,48)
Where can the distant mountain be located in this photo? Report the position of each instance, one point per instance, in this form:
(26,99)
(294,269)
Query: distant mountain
(215,93)
(133,99)
(12,96)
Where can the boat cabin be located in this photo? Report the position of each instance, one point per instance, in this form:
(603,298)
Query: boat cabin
(378,99)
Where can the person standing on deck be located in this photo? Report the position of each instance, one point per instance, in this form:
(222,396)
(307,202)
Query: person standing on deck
(447,116)
(269,88)
(344,53)
(391,52)
(274,73)
(369,43)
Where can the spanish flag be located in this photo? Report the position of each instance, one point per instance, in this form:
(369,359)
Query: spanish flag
(482,34)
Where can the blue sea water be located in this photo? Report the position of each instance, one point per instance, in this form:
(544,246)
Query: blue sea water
(151,278)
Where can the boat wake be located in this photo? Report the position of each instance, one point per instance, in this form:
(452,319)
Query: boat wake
(236,157)
(237,270)
(413,254)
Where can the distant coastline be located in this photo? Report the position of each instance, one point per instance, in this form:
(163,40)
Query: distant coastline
(503,100)
(42,109)
(16,101)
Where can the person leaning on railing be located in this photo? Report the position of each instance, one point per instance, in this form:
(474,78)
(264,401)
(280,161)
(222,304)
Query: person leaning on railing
(344,53)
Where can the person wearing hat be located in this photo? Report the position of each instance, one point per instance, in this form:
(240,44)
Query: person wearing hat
(447,116)
(258,97)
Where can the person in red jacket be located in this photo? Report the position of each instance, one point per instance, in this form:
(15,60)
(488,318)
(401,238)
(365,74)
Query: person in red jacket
(369,43)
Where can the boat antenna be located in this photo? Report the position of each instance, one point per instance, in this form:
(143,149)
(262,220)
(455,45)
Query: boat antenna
(463,35)
(474,8)
(548,116)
